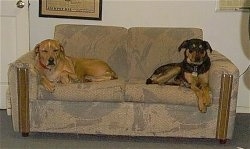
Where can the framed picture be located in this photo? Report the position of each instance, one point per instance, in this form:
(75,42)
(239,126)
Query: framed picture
(75,9)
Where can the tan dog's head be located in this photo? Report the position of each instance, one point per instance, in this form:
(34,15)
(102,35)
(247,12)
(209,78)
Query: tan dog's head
(195,50)
(49,52)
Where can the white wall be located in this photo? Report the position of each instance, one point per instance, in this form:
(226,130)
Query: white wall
(227,32)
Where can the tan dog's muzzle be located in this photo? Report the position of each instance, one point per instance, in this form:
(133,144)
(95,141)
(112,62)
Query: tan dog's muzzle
(51,61)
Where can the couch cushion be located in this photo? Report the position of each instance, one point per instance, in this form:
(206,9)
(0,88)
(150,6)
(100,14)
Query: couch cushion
(120,91)
(108,91)
(108,43)
(151,47)
(138,91)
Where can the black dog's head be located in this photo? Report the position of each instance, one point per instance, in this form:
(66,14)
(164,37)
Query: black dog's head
(195,50)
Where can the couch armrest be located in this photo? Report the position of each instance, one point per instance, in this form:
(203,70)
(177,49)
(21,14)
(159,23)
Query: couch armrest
(23,88)
(224,82)
(26,61)
(221,65)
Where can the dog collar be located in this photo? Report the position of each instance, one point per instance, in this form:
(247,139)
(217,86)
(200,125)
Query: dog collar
(43,66)
(192,69)
(196,69)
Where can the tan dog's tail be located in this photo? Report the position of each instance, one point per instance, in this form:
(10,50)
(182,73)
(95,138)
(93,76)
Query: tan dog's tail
(113,75)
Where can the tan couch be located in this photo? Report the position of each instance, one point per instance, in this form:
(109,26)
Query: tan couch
(126,106)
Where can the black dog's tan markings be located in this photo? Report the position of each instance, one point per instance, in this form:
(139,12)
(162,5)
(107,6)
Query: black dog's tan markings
(191,72)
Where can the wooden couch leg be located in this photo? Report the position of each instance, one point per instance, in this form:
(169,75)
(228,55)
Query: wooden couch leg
(23,100)
(223,141)
(224,107)
(25,134)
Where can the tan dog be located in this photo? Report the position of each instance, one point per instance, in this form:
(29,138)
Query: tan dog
(53,66)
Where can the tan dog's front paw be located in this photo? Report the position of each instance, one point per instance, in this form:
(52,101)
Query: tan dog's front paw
(51,87)
(65,80)
(203,109)
(48,85)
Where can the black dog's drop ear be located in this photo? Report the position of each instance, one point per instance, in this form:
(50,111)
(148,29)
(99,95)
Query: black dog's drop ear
(184,45)
(208,47)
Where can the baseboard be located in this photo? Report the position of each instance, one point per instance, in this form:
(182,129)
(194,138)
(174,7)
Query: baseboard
(240,109)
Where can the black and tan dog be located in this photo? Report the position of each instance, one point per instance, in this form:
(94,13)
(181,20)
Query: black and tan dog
(191,72)
(54,66)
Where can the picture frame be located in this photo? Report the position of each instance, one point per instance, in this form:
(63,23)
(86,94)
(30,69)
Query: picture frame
(71,9)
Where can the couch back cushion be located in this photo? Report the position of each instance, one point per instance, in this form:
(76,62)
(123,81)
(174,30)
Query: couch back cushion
(151,47)
(107,43)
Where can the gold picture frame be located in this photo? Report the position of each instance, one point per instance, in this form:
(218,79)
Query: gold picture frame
(75,9)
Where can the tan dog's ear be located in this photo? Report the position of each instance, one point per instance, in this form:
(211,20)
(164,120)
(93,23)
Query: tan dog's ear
(62,49)
(37,49)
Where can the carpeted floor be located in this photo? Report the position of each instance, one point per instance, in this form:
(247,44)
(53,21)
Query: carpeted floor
(13,140)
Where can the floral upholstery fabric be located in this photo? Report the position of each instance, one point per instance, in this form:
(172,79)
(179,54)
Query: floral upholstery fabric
(151,47)
(102,42)
(106,91)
